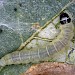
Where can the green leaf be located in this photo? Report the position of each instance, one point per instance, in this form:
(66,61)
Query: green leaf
(16,19)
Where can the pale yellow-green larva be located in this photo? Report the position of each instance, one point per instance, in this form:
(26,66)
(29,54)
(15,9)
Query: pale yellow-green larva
(44,46)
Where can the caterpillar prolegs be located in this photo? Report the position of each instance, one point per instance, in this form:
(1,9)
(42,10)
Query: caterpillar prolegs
(34,51)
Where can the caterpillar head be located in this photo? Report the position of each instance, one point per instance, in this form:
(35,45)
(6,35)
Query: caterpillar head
(64,18)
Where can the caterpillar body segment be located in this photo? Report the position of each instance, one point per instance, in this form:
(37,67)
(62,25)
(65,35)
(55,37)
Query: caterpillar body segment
(50,32)
(35,43)
(58,45)
(34,51)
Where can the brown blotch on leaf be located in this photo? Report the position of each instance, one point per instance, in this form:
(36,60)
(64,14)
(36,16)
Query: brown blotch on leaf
(35,26)
(49,68)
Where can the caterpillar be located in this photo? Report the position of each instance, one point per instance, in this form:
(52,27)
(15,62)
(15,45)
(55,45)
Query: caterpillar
(34,51)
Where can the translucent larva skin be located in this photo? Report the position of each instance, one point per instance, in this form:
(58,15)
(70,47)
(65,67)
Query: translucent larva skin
(26,56)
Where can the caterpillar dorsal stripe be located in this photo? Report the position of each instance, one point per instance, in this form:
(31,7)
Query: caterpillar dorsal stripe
(36,52)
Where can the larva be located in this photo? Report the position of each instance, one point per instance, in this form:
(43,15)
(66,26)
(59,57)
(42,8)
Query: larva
(37,53)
